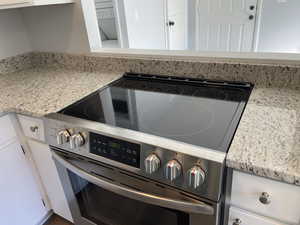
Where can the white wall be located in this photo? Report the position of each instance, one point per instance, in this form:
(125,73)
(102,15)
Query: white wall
(14,38)
(58,28)
(279,26)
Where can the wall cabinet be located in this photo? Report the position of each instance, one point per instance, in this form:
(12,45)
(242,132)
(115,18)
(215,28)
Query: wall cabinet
(9,4)
(21,201)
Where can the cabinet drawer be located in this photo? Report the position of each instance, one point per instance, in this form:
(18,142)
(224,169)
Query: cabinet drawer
(246,218)
(32,127)
(283,198)
(7,131)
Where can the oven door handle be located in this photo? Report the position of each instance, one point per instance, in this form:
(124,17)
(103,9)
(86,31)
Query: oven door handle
(189,207)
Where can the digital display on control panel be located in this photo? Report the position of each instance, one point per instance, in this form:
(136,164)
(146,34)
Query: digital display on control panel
(115,149)
(114,145)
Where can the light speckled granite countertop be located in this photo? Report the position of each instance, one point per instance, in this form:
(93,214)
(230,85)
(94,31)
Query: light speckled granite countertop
(267,141)
(44,90)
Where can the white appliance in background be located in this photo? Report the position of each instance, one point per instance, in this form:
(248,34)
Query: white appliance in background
(226,25)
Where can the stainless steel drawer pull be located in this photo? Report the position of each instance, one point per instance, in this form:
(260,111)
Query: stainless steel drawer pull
(237,222)
(265,198)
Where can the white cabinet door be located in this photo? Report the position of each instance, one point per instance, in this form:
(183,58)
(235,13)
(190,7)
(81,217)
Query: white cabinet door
(49,176)
(21,202)
(247,218)
(7,132)
(284,198)
(146,23)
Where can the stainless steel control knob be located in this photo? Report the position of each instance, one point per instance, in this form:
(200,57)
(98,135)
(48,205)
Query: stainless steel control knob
(152,164)
(63,137)
(173,170)
(196,177)
(76,140)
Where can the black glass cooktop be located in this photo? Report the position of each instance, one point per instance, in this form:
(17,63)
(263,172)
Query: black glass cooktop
(199,112)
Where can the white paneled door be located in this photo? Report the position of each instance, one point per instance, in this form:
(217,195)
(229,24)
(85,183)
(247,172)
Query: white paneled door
(225,25)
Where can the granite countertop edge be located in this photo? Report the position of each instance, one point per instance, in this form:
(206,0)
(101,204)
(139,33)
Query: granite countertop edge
(264,171)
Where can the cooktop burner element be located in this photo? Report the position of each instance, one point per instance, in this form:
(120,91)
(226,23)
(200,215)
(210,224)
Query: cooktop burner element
(199,112)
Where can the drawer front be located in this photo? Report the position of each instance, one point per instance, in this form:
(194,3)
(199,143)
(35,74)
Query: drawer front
(7,131)
(241,217)
(32,127)
(282,203)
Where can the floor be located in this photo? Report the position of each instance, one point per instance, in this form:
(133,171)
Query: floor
(57,220)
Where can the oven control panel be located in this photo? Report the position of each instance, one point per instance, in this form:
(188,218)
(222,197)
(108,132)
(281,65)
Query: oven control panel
(115,149)
(184,171)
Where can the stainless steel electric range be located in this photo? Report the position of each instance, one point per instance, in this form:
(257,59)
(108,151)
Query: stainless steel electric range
(147,150)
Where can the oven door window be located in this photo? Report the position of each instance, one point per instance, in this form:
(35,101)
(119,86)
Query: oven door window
(106,208)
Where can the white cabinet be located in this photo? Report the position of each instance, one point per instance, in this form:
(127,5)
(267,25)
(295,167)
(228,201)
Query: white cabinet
(21,202)
(49,176)
(7,131)
(246,218)
(283,199)
(33,130)
(9,4)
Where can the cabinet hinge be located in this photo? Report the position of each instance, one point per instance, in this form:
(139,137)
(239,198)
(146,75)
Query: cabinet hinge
(23,150)
(43,202)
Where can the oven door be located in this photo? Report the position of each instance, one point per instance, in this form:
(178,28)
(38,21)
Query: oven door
(103,195)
